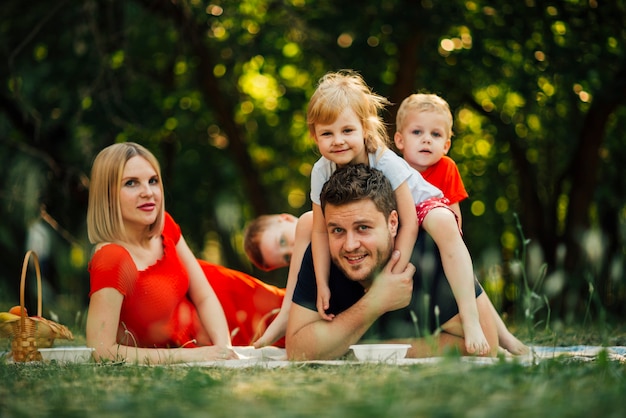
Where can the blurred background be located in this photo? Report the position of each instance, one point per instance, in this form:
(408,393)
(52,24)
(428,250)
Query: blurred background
(218,91)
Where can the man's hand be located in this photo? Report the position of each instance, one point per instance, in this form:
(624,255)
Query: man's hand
(392,291)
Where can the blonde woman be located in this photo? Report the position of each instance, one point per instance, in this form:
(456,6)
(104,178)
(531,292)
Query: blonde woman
(151,300)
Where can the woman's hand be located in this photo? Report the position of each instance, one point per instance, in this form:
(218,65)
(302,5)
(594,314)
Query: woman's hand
(210,353)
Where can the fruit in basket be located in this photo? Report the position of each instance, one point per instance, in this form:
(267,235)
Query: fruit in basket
(7,317)
(17,310)
(6,323)
(47,330)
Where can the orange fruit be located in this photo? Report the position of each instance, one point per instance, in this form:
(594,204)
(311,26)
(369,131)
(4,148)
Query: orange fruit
(17,310)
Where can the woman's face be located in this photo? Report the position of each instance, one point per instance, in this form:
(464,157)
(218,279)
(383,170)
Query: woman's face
(140,193)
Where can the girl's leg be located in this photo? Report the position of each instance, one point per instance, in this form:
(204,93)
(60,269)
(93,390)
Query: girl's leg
(454,326)
(441,225)
(506,339)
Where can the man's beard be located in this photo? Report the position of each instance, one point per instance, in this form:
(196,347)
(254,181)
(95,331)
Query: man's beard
(355,274)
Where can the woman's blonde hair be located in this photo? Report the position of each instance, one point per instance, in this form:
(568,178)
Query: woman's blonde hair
(104,212)
(344,89)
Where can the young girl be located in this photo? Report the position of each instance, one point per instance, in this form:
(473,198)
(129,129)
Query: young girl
(343,118)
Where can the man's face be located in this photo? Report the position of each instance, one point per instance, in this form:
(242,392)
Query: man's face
(360,239)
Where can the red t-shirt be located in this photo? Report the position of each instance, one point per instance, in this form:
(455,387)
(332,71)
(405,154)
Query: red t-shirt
(157,310)
(445,176)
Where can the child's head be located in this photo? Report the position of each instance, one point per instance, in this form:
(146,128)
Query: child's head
(423,130)
(422,102)
(269,239)
(345,89)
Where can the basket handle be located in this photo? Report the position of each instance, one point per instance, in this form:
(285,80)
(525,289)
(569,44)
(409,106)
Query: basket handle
(28,255)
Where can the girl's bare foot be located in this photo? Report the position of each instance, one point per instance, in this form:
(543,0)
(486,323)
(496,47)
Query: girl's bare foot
(514,346)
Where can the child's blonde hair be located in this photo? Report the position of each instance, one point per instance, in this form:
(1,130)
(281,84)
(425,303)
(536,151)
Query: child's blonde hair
(423,102)
(344,89)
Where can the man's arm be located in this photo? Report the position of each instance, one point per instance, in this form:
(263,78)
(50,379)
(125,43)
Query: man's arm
(309,337)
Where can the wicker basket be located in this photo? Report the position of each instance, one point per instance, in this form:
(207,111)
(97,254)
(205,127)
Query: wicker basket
(31,333)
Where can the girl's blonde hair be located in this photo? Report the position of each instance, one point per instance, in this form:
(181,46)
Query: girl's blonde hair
(104,212)
(423,102)
(344,89)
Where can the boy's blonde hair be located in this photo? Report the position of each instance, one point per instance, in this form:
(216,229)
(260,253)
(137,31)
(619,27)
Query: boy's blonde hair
(344,89)
(422,102)
(104,212)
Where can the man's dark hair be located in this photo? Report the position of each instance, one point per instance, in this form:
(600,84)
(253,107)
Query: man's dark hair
(359,182)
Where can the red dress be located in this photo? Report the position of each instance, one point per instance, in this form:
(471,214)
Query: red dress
(157,311)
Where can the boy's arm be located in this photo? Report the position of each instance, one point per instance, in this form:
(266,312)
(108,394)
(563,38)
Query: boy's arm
(407,233)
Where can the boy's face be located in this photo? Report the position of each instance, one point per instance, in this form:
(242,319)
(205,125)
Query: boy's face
(277,241)
(424,139)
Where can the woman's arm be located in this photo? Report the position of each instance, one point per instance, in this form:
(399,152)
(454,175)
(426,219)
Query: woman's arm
(409,228)
(204,298)
(102,326)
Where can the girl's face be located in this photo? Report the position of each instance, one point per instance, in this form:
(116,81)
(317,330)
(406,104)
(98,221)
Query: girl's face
(424,139)
(276,243)
(343,141)
(140,194)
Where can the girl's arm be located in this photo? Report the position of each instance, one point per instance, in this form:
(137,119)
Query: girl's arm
(304,229)
(407,233)
(278,326)
(321,260)
(204,298)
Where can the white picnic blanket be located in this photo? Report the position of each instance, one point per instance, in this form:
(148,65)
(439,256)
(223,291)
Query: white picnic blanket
(273,357)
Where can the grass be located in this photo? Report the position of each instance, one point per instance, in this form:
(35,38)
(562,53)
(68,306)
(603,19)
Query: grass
(552,388)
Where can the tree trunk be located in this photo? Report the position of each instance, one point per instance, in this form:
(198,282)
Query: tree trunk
(192,37)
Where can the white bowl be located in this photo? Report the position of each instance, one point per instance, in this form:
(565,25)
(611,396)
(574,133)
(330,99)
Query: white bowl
(380,352)
(67,354)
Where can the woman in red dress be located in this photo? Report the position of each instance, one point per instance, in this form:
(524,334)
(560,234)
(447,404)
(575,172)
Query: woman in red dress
(151,300)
